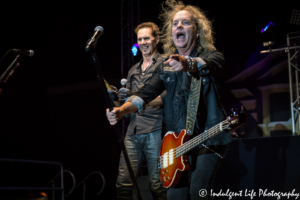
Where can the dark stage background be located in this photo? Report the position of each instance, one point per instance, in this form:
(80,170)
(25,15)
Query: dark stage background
(52,107)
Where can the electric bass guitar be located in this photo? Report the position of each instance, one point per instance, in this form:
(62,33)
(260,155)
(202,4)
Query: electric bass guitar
(172,160)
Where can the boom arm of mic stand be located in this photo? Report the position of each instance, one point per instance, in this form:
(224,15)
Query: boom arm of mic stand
(117,130)
(9,69)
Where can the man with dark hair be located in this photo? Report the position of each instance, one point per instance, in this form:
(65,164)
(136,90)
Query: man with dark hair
(143,137)
(154,28)
(193,66)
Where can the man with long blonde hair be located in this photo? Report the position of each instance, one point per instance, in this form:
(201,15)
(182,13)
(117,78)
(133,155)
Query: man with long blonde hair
(202,27)
(192,58)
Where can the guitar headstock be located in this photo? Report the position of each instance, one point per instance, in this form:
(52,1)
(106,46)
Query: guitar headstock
(107,85)
(236,119)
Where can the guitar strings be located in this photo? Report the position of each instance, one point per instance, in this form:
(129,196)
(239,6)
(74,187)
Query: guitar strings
(196,141)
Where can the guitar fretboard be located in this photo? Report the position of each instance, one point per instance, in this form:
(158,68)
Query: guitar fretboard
(179,151)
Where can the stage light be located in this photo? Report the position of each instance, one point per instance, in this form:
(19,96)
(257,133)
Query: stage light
(43,194)
(134,49)
(266,27)
(295,18)
(266,44)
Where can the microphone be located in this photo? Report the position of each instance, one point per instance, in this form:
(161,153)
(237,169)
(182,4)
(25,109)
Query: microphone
(27,52)
(123,82)
(93,41)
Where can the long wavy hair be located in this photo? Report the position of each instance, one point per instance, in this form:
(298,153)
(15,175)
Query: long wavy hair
(205,41)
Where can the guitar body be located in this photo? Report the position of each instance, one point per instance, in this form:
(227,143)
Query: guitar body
(170,173)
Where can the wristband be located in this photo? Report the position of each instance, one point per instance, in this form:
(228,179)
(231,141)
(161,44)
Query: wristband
(191,62)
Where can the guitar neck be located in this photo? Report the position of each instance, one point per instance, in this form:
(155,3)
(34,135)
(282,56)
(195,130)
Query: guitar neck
(182,149)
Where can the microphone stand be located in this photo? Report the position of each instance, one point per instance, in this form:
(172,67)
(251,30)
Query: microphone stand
(117,130)
(9,68)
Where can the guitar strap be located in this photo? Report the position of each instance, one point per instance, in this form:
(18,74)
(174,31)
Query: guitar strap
(192,105)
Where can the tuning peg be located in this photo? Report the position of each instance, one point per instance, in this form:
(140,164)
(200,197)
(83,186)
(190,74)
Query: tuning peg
(233,110)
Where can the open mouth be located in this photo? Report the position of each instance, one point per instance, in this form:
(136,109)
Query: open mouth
(180,36)
(145,47)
